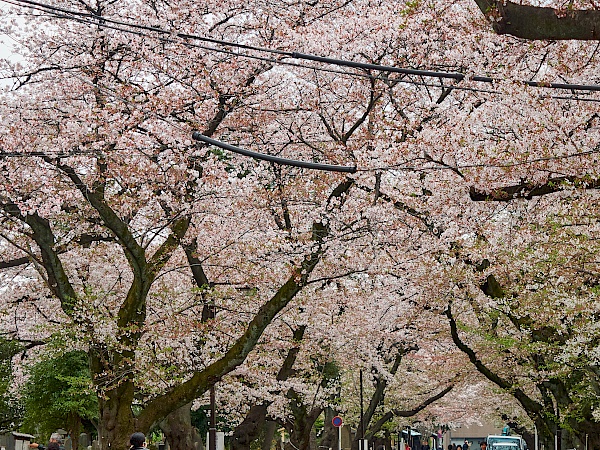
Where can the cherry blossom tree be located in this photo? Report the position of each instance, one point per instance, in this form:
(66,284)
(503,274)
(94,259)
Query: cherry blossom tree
(166,261)
(106,254)
(535,323)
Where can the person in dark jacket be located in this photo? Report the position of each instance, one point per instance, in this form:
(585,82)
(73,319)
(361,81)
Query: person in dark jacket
(137,441)
(55,439)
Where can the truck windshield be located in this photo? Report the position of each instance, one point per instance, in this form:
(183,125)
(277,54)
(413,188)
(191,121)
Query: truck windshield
(504,443)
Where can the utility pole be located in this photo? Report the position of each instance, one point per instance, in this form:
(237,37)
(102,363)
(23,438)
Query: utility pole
(212,431)
(362,415)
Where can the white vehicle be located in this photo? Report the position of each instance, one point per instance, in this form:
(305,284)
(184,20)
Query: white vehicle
(505,443)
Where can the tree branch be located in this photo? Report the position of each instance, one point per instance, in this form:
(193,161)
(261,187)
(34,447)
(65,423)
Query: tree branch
(14,262)
(134,252)
(200,381)
(405,413)
(185,392)
(530,190)
(530,405)
(437,231)
(377,396)
(535,23)
(58,281)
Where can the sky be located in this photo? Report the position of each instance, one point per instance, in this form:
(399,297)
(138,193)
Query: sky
(7,44)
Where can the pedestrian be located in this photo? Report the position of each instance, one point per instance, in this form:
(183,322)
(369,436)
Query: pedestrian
(466,445)
(137,441)
(55,441)
(483,445)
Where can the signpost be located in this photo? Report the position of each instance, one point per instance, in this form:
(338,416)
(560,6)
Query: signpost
(338,422)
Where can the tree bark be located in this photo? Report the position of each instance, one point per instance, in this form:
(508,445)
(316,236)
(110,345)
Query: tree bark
(178,429)
(251,427)
(74,427)
(116,422)
(270,428)
(329,439)
(300,435)
(541,23)
(530,190)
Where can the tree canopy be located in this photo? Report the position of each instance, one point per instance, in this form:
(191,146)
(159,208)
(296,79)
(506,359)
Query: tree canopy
(59,393)
(470,222)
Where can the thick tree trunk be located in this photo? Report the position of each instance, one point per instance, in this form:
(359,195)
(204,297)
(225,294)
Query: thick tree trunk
(74,430)
(301,428)
(330,433)
(178,429)
(250,428)
(270,428)
(300,439)
(116,422)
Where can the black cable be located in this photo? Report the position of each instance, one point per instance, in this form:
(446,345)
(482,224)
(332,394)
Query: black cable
(281,62)
(577,99)
(259,58)
(276,159)
(145,27)
(296,55)
(84,18)
(427,73)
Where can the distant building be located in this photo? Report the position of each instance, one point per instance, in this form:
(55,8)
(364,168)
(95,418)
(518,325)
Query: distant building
(15,441)
(472,433)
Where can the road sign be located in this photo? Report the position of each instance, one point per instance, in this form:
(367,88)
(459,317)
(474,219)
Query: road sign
(337,421)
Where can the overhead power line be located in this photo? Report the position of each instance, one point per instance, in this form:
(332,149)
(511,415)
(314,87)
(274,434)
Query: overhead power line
(102,21)
(275,159)
(451,75)
(92,19)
